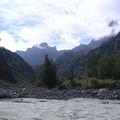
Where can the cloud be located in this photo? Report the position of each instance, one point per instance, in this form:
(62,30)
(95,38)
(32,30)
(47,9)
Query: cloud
(68,24)
(68,42)
(33,36)
(61,23)
(10,43)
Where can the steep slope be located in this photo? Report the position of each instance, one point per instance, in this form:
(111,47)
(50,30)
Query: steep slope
(13,68)
(5,73)
(74,61)
(111,46)
(92,45)
(35,55)
(69,63)
(104,61)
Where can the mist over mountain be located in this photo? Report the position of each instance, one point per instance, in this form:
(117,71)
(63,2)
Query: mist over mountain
(104,61)
(74,61)
(92,45)
(35,55)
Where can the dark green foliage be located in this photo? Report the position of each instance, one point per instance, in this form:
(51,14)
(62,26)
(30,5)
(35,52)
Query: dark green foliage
(5,72)
(88,83)
(104,62)
(72,82)
(92,65)
(14,69)
(75,59)
(106,66)
(70,61)
(48,73)
(116,69)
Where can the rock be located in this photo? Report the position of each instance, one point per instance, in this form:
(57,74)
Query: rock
(58,94)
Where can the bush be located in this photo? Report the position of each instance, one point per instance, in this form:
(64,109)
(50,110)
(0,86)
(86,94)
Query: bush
(88,83)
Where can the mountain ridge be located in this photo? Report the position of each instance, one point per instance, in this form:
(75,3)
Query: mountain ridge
(35,55)
(14,69)
(73,61)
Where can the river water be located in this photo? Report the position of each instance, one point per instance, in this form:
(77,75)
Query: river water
(74,109)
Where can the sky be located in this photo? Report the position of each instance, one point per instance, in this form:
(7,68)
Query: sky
(61,23)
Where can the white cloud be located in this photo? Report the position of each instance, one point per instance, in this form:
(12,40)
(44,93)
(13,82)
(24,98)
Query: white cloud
(10,43)
(38,21)
(68,42)
(34,35)
(68,24)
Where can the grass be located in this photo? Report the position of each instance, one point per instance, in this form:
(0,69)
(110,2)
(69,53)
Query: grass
(91,83)
(100,83)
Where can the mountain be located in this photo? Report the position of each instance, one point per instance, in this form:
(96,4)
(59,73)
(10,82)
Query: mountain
(92,45)
(13,69)
(35,55)
(70,62)
(111,46)
(73,61)
(104,61)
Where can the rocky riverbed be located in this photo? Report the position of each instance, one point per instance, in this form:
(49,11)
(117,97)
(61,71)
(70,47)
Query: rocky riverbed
(11,92)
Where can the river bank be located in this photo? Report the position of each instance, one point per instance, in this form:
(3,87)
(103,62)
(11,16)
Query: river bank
(10,92)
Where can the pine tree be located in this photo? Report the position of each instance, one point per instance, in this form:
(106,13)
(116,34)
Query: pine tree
(48,73)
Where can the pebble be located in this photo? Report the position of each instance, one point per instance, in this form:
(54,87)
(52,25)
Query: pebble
(59,94)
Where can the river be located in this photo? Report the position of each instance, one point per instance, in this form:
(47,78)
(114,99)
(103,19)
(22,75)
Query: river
(74,109)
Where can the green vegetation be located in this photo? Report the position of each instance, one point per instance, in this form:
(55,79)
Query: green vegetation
(100,83)
(89,83)
(99,67)
(48,73)
(104,66)
(14,70)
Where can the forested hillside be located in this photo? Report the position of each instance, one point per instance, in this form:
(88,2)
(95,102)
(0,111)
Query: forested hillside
(13,69)
(104,61)
(74,61)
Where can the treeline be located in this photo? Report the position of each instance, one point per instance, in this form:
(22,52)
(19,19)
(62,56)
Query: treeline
(104,66)
(103,71)
(98,69)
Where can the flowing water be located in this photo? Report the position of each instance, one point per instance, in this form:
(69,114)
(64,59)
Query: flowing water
(75,109)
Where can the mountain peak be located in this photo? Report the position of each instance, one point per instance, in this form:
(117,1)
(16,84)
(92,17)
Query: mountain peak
(35,55)
(42,45)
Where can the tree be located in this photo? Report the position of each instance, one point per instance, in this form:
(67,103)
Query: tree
(105,66)
(48,73)
(92,65)
(116,69)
